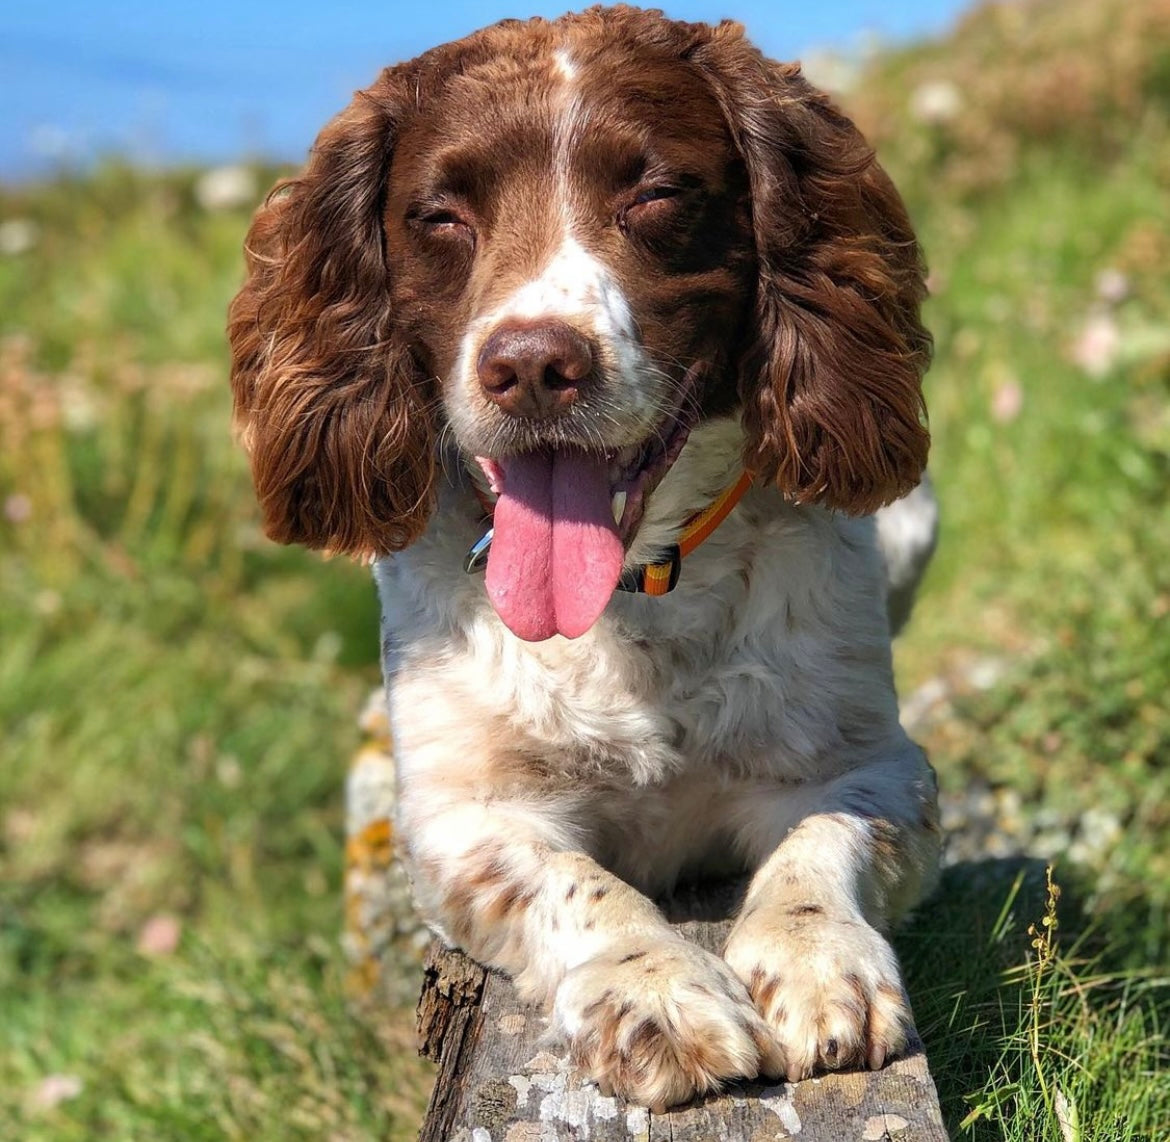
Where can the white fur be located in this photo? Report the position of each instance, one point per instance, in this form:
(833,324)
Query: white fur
(564,65)
(907,532)
(747,720)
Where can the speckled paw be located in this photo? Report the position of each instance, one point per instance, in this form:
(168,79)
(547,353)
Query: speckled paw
(662,1021)
(829,989)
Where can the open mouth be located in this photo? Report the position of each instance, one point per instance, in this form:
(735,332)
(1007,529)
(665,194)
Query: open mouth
(562,523)
(633,472)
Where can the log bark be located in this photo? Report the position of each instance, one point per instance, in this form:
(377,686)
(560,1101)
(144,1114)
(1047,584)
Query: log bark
(499,1082)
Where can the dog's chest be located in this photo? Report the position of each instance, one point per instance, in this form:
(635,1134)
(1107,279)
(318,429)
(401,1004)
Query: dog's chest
(759,664)
(705,697)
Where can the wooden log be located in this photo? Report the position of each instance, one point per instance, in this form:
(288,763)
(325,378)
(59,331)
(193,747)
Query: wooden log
(498,1081)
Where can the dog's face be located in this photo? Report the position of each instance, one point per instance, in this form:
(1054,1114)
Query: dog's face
(568,227)
(562,244)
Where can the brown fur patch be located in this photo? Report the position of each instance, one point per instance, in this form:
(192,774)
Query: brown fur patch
(763,988)
(482,892)
(832,395)
(859,998)
(511,897)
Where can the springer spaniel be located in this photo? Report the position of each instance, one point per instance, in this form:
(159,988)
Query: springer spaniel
(577,282)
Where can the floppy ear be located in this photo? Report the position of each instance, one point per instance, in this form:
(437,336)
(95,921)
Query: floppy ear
(831,386)
(329,404)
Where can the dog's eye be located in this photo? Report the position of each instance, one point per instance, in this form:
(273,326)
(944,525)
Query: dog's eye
(439,222)
(442,218)
(658,205)
(656,194)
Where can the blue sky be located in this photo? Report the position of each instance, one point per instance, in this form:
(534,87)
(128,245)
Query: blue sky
(214,79)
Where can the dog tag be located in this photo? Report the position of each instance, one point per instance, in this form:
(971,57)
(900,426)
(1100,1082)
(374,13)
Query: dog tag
(477,555)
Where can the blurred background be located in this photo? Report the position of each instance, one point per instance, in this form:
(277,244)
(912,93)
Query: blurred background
(179,698)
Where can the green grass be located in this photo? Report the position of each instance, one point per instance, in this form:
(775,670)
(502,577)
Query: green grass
(178,701)
(1019,1015)
(1055,560)
(178,697)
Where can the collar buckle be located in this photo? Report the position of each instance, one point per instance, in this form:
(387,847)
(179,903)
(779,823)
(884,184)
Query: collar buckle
(658,578)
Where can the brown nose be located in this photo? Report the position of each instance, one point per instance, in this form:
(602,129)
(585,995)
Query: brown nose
(535,370)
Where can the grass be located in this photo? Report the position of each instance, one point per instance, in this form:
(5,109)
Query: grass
(1025,1022)
(178,697)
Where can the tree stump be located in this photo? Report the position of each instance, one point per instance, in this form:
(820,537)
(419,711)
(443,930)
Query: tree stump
(498,1082)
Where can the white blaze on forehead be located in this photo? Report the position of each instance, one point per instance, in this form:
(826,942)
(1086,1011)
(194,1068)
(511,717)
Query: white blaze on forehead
(564,64)
(570,122)
(573,284)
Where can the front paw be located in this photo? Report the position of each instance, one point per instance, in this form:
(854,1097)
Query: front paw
(828,987)
(660,1021)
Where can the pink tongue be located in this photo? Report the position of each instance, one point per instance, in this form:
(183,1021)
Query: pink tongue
(556,555)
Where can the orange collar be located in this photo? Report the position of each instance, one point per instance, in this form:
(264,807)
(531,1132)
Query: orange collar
(653,578)
(661,578)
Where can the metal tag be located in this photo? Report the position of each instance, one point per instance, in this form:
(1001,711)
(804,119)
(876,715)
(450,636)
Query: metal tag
(477,555)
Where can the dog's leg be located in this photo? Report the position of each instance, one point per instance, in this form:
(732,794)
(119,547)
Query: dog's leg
(809,941)
(647,1014)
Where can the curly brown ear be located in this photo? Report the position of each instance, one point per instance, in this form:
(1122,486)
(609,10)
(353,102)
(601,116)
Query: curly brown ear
(831,387)
(330,406)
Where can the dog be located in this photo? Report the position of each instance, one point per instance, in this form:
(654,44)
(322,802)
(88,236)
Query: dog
(600,338)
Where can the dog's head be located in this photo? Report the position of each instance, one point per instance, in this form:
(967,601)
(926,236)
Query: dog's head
(564,243)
